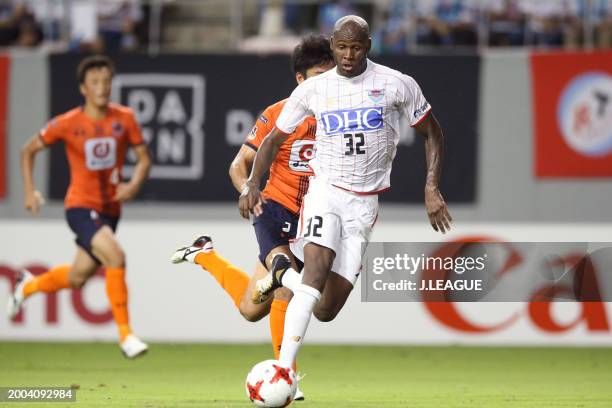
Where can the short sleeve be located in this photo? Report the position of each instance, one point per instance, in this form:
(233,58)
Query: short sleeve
(296,109)
(413,102)
(52,132)
(134,134)
(263,125)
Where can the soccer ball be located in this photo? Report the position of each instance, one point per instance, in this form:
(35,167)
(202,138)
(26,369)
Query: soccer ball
(269,384)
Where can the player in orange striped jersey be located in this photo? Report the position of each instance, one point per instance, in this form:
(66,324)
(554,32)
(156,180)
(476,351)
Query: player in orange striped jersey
(97,136)
(276,222)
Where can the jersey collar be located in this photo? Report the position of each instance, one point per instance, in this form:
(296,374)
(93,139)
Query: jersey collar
(369,65)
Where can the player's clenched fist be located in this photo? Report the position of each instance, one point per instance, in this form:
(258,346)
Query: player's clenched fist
(33,201)
(250,200)
(125,192)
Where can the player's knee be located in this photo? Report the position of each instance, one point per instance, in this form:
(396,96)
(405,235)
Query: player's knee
(283,294)
(116,258)
(250,313)
(78,281)
(325,314)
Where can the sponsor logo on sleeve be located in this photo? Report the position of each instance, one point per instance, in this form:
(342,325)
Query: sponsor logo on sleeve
(351,120)
(252,133)
(263,119)
(421,111)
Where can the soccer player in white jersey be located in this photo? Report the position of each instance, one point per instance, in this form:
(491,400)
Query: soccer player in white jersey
(357,108)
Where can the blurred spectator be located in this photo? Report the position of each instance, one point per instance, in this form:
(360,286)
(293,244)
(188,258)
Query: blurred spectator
(600,16)
(50,14)
(274,36)
(447,22)
(272,19)
(590,17)
(545,20)
(394,33)
(331,11)
(117,22)
(300,18)
(18,25)
(104,25)
(506,22)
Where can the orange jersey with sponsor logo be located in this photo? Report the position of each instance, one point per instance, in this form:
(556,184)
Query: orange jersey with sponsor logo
(289,173)
(96,150)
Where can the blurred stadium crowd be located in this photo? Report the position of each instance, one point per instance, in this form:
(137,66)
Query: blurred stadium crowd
(399,26)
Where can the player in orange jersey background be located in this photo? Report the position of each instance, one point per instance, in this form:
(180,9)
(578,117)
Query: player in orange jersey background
(96,137)
(276,222)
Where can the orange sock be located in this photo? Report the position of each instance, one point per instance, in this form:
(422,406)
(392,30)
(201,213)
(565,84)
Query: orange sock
(53,280)
(277,326)
(233,280)
(117,293)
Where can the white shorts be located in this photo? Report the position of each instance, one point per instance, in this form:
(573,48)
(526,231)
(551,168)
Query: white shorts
(339,220)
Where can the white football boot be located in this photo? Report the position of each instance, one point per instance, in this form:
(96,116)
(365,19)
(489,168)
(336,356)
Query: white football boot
(133,347)
(188,253)
(16,298)
(299,395)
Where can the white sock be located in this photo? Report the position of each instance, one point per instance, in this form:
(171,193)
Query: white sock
(291,279)
(297,318)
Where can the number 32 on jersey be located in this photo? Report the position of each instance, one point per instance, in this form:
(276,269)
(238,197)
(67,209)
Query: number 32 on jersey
(354,143)
(313,226)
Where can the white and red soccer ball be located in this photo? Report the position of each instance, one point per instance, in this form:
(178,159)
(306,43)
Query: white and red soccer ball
(269,384)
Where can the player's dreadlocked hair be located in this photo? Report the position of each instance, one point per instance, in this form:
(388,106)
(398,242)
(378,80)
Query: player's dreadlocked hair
(91,62)
(312,51)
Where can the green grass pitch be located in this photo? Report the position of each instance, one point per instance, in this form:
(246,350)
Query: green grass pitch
(211,375)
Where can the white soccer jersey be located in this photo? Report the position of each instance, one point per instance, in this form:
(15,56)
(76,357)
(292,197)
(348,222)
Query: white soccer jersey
(357,123)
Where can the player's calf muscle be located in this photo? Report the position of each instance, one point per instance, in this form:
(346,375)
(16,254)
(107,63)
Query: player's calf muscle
(324,314)
(334,296)
(327,309)
(318,261)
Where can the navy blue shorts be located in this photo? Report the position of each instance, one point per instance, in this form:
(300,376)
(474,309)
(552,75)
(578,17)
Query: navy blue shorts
(273,228)
(85,222)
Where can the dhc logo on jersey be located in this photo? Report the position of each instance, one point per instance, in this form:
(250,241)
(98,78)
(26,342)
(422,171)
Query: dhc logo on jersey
(351,120)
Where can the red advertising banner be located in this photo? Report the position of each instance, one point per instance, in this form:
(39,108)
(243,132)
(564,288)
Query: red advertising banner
(4,92)
(572,105)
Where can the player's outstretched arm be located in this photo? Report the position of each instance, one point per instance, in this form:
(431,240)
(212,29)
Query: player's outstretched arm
(127,191)
(32,198)
(241,167)
(439,217)
(250,198)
